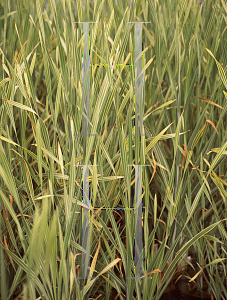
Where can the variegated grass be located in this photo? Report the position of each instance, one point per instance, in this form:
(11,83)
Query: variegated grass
(41,110)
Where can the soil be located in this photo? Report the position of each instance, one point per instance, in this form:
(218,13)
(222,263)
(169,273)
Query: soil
(179,295)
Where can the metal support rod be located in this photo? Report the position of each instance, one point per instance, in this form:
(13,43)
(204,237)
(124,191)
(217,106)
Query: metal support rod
(85,82)
(138,223)
(86,224)
(138,80)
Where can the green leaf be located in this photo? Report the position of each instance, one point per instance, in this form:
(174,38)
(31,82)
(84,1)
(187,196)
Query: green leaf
(21,106)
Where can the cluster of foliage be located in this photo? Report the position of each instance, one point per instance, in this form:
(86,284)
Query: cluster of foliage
(184,108)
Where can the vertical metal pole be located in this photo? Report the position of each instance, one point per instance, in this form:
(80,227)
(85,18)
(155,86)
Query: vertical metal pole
(86,224)
(85,134)
(85,82)
(138,133)
(138,80)
(138,222)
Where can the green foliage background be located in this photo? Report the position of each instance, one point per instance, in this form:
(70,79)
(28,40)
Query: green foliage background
(185,108)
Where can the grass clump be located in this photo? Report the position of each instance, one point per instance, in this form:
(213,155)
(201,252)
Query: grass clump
(184,116)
